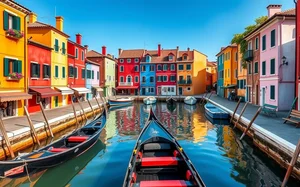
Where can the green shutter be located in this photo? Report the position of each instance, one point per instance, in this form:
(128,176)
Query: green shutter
(272,66)
(49,71)
(5,20)
(70,71)
(63,72)
(63,48)
(6,67)
(272,38)
(44,71)
(56,71)
(18,23)
(256,67)
(56,45)
(92,74)
(272,90)
(15,66)
(264,42)
(19,69)
(83,73)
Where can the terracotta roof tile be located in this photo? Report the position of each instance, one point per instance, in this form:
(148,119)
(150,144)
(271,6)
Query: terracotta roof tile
(43,25)
(135,53)
(223,48)
(164,55)
(93,53)
(189,53)
(211,64)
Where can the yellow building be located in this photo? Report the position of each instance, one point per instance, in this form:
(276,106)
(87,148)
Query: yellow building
(13,50)
(54,37)
(230,68)
(191,72)
(242,76)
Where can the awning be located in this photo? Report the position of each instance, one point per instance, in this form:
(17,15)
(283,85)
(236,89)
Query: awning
(65,90)
(44,92)
(127,87)
(14,96)
(230,86)
(97,88)
(82,90)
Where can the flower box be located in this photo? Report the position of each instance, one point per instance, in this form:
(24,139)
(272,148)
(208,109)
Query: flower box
(14,34)
(12,79)
(14,76)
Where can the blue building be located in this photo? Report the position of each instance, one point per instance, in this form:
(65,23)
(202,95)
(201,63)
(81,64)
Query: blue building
(147,76)
(220,83)
(92,76)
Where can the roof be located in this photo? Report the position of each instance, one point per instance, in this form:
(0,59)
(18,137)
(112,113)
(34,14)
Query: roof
(224,48)
(211,64)
(92,53)
(81,46)
(134,53)
(164,55)
(288,13)
(16,5)
(91,62)
(43,25)
(190,55)
(32,42)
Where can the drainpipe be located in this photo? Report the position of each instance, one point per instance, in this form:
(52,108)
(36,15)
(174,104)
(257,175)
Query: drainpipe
(26,78)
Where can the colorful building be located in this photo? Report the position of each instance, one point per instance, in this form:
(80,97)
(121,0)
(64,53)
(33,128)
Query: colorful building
(128,71)
(220,68)
(56,38)
(147,75)
(242,76)
(211,75)
(13,55)
(276,66)
(92,77)
(39,74)
(76,65)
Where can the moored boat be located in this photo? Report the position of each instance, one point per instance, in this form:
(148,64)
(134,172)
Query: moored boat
(120,101)
(55,153)
(190,100)
(149,100)
(171,100)
(215,112)
(158,160)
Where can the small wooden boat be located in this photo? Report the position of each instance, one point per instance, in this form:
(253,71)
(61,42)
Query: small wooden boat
(55,153)
(171,100)
(190,100)
(149,100)
(159,161)
(218,121)
(215,112)
(120,101)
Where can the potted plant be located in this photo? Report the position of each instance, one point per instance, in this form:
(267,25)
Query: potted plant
(14,34)
(15,76)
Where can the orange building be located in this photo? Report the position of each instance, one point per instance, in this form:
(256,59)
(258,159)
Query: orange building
(211,75)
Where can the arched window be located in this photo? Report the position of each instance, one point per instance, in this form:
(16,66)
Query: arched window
(159,67)
(148,58)
(129,78)
(171,56)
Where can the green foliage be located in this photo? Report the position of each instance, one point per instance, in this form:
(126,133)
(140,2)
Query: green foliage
(239,38)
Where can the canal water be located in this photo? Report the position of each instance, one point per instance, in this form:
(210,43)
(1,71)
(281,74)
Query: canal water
(215,150)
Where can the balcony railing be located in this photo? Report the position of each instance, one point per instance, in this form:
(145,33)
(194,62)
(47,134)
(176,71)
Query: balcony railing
(248,55)
(125,83)
(182,81)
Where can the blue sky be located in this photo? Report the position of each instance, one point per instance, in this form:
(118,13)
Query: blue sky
(204,25)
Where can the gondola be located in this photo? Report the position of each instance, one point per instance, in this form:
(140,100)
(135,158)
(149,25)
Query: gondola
(55,153)
(171,100)
(158,160)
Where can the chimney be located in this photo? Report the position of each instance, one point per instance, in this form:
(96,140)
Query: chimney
(273,9)
(177,48)
(104,50)
(60,23)
(78,39)
(158,50)
(32,17)
(120,51)
(86,48)
(188,49)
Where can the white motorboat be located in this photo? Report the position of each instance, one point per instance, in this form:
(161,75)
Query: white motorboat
(149,100)
(190,100)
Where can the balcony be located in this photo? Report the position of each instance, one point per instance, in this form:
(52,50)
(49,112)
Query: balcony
(248,55)
(183,82)
(125,83)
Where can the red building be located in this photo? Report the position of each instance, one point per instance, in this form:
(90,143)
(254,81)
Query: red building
(297,69)
(76,63)
(129,71)
(39,70)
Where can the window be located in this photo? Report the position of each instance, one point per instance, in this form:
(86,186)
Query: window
(151,79)
(236,56)
(35,70)
(263,70)
(63,48)
(121,79)
(172,78)
(83,73)
(136,60)
(71,71)
(82,55)
(143,79)
(250,45)
(76,72)
(56,47)
(93,75)
(170,57)
(273,39)
(143,68)
(136,68)
(11,21)
(180,67)
(249,69)
(256,67)
(136,79)
(128,60)
(76,53)
(63,72)
(148,58)
(151,90)
(165,67)
(165,78)
(236,74)
(228,71)
(172,67)
(121,68)
(129,78)
(152,68)
(158,78)
(256,43)
(98,75)
(264,42)
(46,71)
(188,67)
(180,78)
(184,57)
(121,60)
(56,71)
(272,70)
(272,92)
(158,67)
(188,88)
(189,78)
(88,74)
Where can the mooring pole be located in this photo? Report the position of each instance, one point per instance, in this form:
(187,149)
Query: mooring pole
(91,107)
(204,96)
(75,114)
(97,102)
(251,122)
(237,106)
(241,114)
(210,95)
(46,120)
(4,134)
(81,108)
(291,164)
(35,137)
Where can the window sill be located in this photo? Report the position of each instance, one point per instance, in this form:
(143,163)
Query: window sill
(34,78)
(46,79)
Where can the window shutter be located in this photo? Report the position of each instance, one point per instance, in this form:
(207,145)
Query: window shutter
(38,70)
(92,74)
(83,73)
(263,68)
(63,72)
(17,23)
(70,72)
(5,20)
(6,67)
(56,71)
(44,71)
(273,66)
(31,69)
(75,72)
(272,38)
(272,94)
(63,48)
(56,45)
(49,71)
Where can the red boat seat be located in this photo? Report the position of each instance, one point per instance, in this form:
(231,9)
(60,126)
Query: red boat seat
(159,161)
(188,175)
(77,139)
(166,183)
(57,150)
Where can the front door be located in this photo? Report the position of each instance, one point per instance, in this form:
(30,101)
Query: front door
(56,101)
(136,92)
(143,91)
(180,90)
(159,91)
(263,95)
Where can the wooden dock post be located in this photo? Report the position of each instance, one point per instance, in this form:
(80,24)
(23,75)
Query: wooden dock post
(91,108)
(4,134)
(35,137)
(75,114)
(251,122)
(241,114)
(46,120)
(81,108)
(291,164)
(237,106)
(203,98)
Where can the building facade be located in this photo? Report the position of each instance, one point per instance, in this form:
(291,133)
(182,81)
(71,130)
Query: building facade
(211,75)
(92,77)
(242,76)
(220,68)
(297,64)
(147,75)
(13,52)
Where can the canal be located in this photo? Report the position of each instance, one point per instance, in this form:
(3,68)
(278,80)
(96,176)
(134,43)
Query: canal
(215,150)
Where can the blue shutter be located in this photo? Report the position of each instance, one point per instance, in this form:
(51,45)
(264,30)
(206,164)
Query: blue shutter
(5,20)
(6,67)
